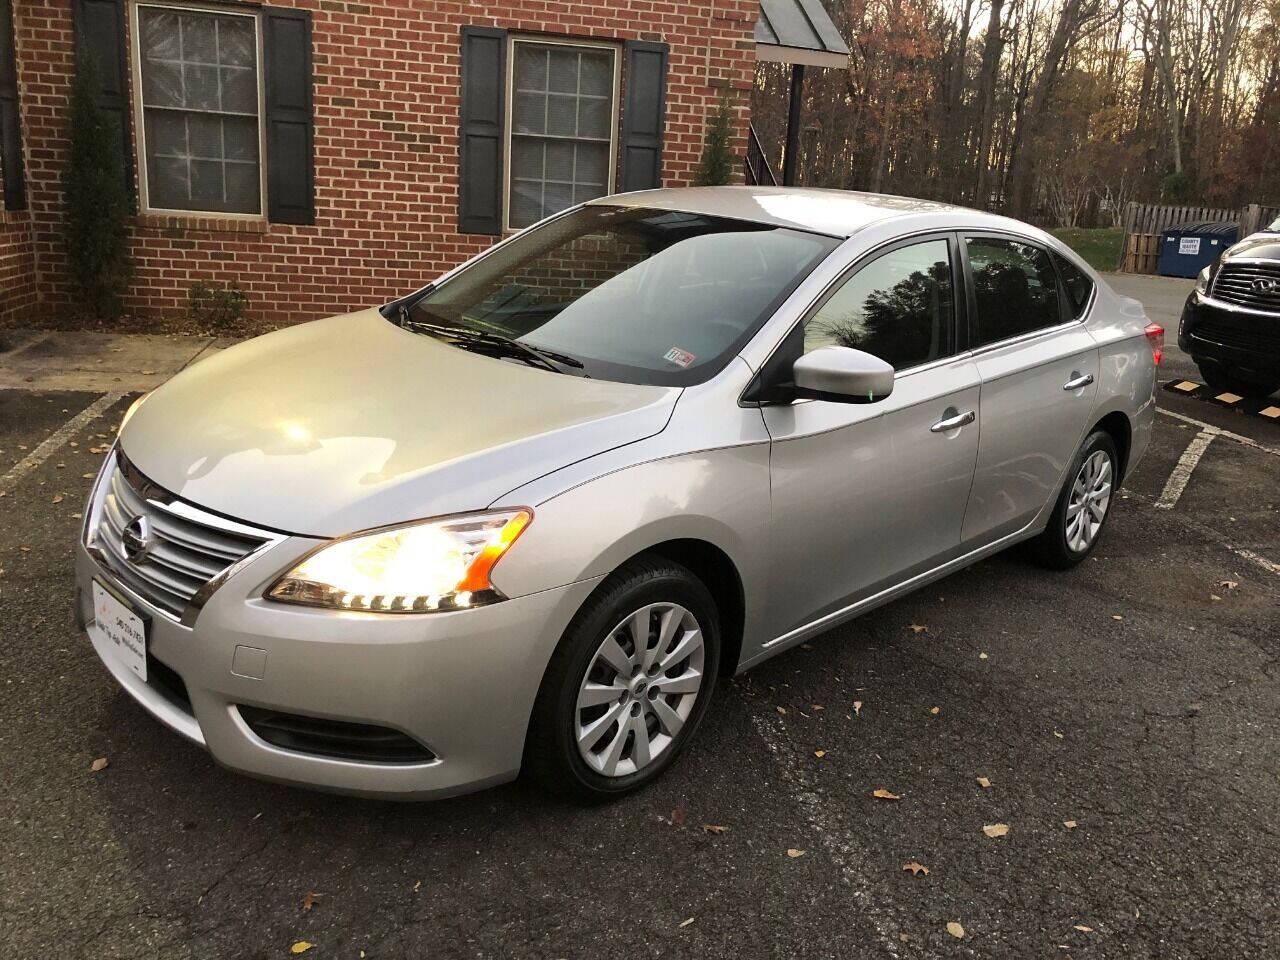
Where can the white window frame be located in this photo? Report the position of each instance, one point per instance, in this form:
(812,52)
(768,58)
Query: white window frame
(510,81)
(135,56)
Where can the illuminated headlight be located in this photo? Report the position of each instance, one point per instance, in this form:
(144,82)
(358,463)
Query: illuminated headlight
(420,568)
(1202,281)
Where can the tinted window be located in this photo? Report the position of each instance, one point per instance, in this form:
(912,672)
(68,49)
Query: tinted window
(1015,288)
(1079,286)
(898,308)
(636,295)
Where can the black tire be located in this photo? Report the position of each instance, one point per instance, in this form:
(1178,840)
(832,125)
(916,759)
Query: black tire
(1221,378)
(551,754)
(1051,548)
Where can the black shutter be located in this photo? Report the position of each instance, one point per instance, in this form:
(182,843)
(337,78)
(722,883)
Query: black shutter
(642,115)
(99,32)
(484,55)
(15,197)
(291,172)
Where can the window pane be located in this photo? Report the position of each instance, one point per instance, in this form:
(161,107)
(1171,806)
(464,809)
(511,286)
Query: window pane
(574,114)
(1015,287)
(1079,286)
(200,106)
(898,308)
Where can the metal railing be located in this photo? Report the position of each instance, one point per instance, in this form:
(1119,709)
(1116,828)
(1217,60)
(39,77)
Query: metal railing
(758,171)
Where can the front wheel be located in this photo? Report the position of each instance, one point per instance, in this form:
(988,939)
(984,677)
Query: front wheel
(628,684)
(1082,508)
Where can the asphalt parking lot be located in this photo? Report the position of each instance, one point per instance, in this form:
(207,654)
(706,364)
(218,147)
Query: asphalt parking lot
(1125,717)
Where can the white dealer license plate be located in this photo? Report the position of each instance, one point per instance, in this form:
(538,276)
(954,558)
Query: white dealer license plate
(121,630)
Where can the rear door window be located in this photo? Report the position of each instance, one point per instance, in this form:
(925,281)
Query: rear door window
(1078,286)
(1015,289)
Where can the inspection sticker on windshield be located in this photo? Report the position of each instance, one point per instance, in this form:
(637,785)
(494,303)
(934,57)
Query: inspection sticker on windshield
(681,358)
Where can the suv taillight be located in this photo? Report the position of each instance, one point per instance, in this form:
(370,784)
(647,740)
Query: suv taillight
(1155,338)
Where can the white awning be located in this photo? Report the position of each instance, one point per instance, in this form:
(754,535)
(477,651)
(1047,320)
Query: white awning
(799,31)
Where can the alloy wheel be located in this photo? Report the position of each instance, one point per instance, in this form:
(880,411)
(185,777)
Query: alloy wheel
(639,689)
(1090,496)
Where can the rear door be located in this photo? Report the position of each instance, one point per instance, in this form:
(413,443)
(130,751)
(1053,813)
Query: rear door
(1038,367)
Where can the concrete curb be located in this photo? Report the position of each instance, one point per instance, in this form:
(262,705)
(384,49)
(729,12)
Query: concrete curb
(68,360)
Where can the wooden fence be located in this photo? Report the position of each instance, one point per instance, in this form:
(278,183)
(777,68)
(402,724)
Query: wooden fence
(1145,222)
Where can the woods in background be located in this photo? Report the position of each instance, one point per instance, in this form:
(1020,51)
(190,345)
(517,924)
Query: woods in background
(1057,111)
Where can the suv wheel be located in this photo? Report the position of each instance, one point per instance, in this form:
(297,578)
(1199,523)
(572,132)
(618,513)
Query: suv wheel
(628,684)
(1220,378)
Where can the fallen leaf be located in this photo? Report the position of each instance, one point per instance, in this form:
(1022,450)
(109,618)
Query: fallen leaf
(1116,616)
(57,498)
(782,709)
(99,764)
(87,476)
(935,710)
(815,707)
(302,946)
(1058,734)
(1069,824)
(918,628)
(819,754)
(1229,584)
(147,373)
(1083,929)
(714,829)
(880,793)
(983,782)
(982,656)
(1214,596)
(678,817)
(916,868)
(996,829)
(417,886)
(685,923)
(955,930)
(310,900)
(857,708)
(903,938)
(793,853)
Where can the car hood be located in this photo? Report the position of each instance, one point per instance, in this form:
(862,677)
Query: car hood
(352,422)
(1262,246)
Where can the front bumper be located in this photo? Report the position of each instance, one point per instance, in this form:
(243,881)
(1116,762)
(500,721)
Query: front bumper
(462,683)
(1246,341)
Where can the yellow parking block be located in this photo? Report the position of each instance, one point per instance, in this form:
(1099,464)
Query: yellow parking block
(1271,412)
(1186,386)
(1228,398)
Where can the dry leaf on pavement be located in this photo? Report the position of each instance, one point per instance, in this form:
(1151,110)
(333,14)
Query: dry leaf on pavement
(815,707)
(685,923)
(916,868)
(996,829)
(99,764)
(857,708)
(678,817)
(57,498)
(983,782)
(310,900)
(714,829)
(819,754)
(935,710)
(1069,824)
(1229,584)
(919,628)
(880,793)
(1116,616)
(982,656)
(1083,929)
(793,853)
(955,930)
(302,946)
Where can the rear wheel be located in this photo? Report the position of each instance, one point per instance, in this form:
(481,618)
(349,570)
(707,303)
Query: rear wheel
(1082,508)
(628,684)
(1221,378)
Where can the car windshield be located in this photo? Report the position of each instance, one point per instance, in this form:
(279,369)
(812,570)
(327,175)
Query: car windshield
(627,294)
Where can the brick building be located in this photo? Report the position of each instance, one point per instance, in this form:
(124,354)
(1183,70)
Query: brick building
(331,154)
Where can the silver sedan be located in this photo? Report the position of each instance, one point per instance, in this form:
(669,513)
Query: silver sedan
(524,517)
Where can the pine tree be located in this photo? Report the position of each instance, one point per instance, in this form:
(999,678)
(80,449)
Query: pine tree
(96,223)
(716,165)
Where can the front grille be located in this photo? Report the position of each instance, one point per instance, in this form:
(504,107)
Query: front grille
(1258,335)
(1241,283)
(362,742)
(188,546)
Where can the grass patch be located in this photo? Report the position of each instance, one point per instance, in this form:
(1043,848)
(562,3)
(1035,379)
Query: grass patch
(1098,246)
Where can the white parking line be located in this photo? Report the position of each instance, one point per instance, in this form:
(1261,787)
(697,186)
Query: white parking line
(816,811)
(1177,481)
(55,440)
(1218,431)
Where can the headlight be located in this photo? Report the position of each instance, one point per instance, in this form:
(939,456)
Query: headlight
(420,568)
(133,408)
(1202,281)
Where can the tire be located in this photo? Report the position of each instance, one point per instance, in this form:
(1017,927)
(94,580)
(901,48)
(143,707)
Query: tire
(667,593)
(1220,378)
(1063,544)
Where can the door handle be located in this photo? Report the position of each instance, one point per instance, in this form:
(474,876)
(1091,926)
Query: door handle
(1077,381)
(953,421)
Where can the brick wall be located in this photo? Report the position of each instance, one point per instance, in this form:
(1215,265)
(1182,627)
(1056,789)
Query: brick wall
(17,267)
(386,120)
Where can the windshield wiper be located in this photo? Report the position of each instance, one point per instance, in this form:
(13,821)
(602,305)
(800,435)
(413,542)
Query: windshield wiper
(494,343)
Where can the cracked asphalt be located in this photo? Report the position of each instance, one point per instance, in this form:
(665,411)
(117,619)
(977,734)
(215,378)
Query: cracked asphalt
(1137,696)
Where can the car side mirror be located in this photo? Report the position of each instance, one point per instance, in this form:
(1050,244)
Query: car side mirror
(843,375)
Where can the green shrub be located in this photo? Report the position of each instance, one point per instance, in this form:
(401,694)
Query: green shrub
(96,223)
(1178,188)
(216,307)
(716,165)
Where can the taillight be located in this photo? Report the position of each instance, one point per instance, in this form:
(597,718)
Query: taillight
(1155,338)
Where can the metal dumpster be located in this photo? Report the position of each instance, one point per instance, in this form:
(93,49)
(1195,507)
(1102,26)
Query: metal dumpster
(1188,248)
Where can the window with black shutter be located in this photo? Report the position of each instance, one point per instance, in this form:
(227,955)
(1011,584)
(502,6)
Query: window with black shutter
(15,196)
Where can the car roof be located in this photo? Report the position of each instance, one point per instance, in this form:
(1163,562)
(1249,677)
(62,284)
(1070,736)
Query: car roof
(838,213)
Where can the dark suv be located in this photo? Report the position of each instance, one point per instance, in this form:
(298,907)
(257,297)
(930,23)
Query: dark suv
(1231,322)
